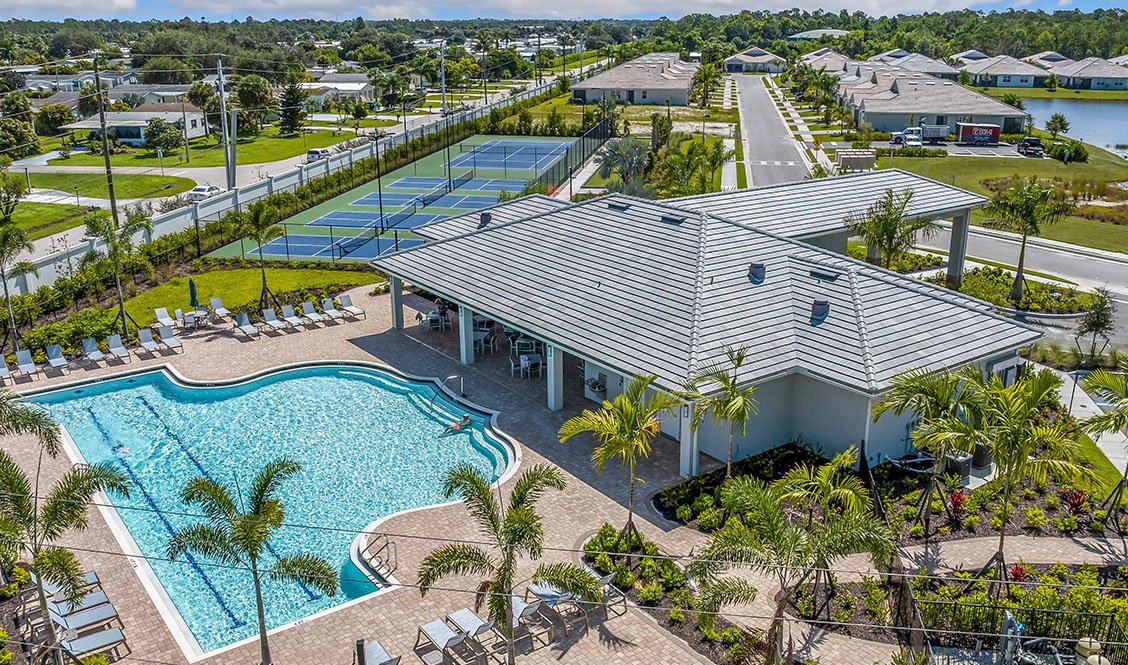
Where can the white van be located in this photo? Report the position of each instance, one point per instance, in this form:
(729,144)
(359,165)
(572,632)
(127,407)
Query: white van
(316,154)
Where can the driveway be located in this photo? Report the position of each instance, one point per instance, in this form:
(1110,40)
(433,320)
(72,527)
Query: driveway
(770,151)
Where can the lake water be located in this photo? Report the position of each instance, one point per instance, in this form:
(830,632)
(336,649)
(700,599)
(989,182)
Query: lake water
(1100,123)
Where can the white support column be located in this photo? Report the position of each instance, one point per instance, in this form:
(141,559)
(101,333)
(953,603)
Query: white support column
(688,438)
(466,334)
(957,248)
(395,287)
(555,377)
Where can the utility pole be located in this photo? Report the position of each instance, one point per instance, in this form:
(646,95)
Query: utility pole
(184,121)
(442,74)
(223,126)
(581,74)
(229,155)
(537,57)
(105,144)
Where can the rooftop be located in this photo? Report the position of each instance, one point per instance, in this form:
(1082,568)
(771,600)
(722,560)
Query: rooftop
(129,119)
(1002,65)
(508,211)
(1091,68)
(755,55)
(936,96)
(657,71)
(916,62)
(821,32)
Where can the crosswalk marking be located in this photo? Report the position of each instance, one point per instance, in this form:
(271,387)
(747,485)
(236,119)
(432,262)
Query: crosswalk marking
(767,163)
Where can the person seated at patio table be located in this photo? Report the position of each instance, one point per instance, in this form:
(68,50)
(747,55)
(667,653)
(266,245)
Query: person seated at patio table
(462,424)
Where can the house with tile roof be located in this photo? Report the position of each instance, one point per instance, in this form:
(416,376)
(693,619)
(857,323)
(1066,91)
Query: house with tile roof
(1092,74)
(755,59)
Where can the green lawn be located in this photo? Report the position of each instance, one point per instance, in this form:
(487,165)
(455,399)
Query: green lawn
(204,152)
(44,219)
(968,172)
(641,113)
(126,185)
(1060,93)
(1089,454)
(237,287)
(351,122)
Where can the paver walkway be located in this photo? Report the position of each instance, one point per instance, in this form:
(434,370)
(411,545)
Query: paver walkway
(728,169)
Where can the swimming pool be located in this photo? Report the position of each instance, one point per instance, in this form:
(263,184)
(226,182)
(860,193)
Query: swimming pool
(369,443)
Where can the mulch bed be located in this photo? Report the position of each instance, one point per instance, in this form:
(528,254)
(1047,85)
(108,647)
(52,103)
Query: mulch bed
(847,612)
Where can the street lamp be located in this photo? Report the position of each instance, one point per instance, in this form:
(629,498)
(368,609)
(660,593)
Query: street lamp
(703,117)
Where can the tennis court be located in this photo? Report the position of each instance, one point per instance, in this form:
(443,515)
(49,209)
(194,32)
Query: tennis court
(367,220)
(511,154)
(452,200)
(335,247)
(479,184)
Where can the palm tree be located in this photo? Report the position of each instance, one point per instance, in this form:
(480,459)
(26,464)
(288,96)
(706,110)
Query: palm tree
(624,427)
(1025,208)
(887,230)
(1023,444)
(38,523)
(624,156)
(1112,388)
(768,542)
(716,157)
(260,224)
(117,243)
(931,395)
(238,532)
(13,243)
(718,390)
(514,530)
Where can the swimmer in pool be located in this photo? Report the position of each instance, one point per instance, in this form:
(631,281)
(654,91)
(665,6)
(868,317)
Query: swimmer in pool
(121,450)
(462,424)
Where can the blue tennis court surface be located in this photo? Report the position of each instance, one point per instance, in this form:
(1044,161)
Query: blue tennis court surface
(330,247)
(399,220)
(511,154)
(452,200)
(479,184)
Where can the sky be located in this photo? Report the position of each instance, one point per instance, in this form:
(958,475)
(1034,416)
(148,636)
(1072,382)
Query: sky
(446,9)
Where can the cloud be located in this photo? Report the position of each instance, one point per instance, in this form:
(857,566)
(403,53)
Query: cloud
(1064,3)
(327,9)
(57,9)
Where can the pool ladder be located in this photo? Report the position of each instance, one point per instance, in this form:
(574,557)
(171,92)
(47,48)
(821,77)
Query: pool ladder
(380,555)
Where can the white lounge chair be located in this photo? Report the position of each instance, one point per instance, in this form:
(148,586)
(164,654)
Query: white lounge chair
(438,634)
(25,363)
(161,314)
(243,324)
(476,628)
(116,348)
(102,640)
(376,654)
(90,350)
(329,310)
(5,372)
(218,309)
(95,617)
(310,313)
(290,317)
(348,307)
(145,340)
(167,338)
(55,355)
(179,316)
(271,319)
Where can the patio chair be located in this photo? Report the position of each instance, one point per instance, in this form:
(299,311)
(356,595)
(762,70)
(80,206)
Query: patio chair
(435,322)
(289,317)
(310,313)
(179,316)
(271,319)
(329,310)
(514,362)
(528,616)
(116,348)
(526,346)
(376,654)
(530,363)
(5,372)
(90,350)
(552,597)
(145,340)
(479,630)
(218,310)
(612,595)
(90,643)
(95,617)
(438,634)
(191,320)
(55,354)
(90,600)
(243,324)
(25,363)
(167,338)
(161,314)
(348,307)
(490,342)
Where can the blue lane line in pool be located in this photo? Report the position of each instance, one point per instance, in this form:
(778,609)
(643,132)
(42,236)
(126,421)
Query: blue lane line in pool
(175,438)
(235,621)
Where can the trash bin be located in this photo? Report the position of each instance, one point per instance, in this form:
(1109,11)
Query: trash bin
(959,464)
(982,457)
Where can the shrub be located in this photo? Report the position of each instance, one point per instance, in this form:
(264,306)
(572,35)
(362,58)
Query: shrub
(672,579)
(710,519)
(843,607)
(1018,572)
(1074,499)
(647,568)
(685,513)
(1035,518)
(603,541)
(21,576)
(1068,523)
(876,600)
(623,578)
(997,522)
(913,497)
(916,531)
(731,635)
(1052,502)
(96,660)
(702,503)
(958,500)
(971,522)
(603,563)
(676,615)
(651,593)
(1100,518)
(1076,151)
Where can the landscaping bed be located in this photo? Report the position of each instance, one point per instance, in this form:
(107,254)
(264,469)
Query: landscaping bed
(19,584)
(994,286)
(858,609)
(905,263)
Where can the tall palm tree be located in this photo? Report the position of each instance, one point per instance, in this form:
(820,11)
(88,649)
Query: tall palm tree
(767,541)
(716,157)
(1025,208)
(1023,444)
(238,532)
(13,243)
(625,156)
(718,390)
(117,246)
(1111,387)
(887,229)
(39,523)
(514,530)
(260,224)
(624,427)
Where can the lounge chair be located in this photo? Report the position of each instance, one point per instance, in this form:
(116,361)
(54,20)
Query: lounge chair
(271,319)
(89,580)
(376,654)
(179,316)
(90,350)
(476,628)
(161,314)
(528,616)
(290,317)
(90,600)
(243,324)
(218,309)
(348,307)
(167,338)
(55,355)
(441,636)
(95,617)
(25,363)
(116,348)
(310,313)
(556,600)
(5,372)
(145,340)
(192,320)
(94,642)
(329,310)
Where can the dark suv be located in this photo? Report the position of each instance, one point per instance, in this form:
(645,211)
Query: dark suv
(1031,146)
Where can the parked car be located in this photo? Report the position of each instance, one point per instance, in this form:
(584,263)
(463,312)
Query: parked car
(317,154)
(1031,146)
(912,141)
(201,192)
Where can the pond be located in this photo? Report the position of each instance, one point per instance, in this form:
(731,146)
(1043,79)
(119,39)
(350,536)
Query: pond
(1100,123)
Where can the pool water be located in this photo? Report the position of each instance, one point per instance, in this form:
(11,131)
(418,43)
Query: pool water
(370,444)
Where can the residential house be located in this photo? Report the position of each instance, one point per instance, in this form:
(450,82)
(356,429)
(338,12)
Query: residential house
(755,59)
(1048,59)
(809,35)
(931,101)
(890,55)
(355,87)
(1005,72)
(970,56)
(68,99)
(57,82)
(658,78)
(129,126)
(1121,60)
(141,93)
(1092,74)
(916,62)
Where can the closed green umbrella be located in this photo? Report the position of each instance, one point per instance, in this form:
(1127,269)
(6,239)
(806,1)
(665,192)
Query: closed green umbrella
(193,301)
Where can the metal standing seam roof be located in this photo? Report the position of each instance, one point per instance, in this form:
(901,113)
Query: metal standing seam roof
(774,209)
(507,211)
(647,287)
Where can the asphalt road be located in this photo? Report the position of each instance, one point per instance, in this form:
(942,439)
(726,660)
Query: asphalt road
(770,151)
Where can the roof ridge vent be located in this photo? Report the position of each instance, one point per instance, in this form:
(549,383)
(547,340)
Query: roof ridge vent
(820,309)
(757,271)
(619,205)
